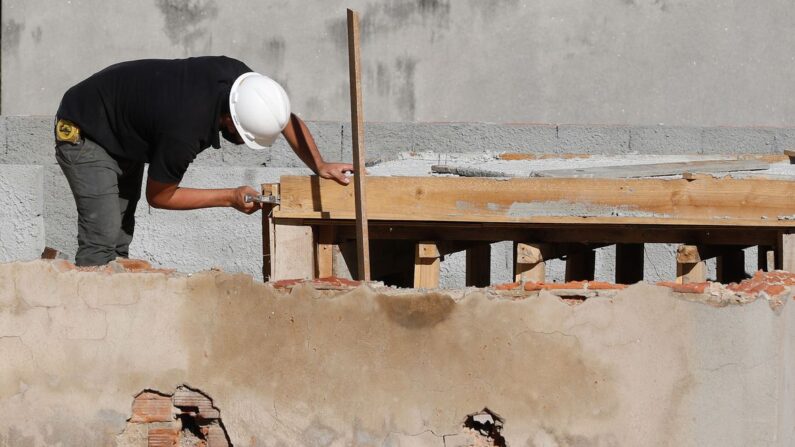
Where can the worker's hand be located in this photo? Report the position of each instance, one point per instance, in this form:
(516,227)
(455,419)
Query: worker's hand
(239,200)
(335,171)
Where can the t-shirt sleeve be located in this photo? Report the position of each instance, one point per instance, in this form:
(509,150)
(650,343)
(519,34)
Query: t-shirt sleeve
(170,159)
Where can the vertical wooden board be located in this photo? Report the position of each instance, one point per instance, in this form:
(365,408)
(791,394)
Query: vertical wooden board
(529,265)
(324,251)
(766,258)
(785,252)
(690,264)
(629,263)
(426,269)
(730,266)
(478,265)
(580,266)
(267,231)
(293,249)
(357,122)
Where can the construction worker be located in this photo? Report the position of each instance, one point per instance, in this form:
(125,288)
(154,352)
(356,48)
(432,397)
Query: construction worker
(164,112)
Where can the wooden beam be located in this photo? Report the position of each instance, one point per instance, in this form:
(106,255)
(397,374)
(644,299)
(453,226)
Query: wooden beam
(426,265)
(629,263)
(357,122)
(324,251)
(560,233)
(478,265)
(657,169)
(730,266)
(530,262)
(709,202)
(690,267)
(580,265)
(785,252)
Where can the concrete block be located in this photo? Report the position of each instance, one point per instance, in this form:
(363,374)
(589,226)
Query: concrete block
(29,140)
(736,140)
(665,140)
(594,139)
(21,209)
(785,140)
(386,140)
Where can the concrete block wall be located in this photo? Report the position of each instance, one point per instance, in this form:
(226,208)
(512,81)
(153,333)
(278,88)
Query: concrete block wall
(199,240)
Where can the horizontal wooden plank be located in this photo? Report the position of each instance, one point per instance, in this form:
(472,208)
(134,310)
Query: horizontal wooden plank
(708,202)
(656,169)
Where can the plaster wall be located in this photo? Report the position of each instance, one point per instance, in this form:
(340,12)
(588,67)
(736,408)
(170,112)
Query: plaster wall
(376,367)
(635,62)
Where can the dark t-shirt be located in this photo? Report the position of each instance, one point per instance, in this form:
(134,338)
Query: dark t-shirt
(162,112)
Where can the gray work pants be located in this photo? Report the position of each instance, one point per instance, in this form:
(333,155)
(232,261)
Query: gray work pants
(106,191)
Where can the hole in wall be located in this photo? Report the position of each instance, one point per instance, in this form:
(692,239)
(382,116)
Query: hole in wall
(487,424)
(188,417)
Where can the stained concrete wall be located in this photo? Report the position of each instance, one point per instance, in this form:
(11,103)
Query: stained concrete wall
(639,62)
(375,367)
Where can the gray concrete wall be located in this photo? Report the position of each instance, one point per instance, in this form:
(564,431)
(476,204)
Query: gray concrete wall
(374,367)
(198,240)
(21,212)
(637,62)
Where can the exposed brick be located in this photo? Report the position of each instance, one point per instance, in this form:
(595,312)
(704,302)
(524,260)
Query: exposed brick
(696,287)
(163,437)
(508,286)
(185,398)
(151,407)
(216,437)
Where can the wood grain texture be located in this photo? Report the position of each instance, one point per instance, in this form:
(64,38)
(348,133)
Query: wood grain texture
(708,202)
(357,122)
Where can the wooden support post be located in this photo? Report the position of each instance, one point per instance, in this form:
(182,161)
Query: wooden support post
(357,123)
(292,252)
(785,252)
(766,258)
(478,265)
(580,265)
(690,267)
(730,266)
(529,262)
(324,251)
(629,263)
(267,231)
(426,265)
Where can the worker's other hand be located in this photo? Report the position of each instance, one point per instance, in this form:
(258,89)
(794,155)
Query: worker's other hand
(336,171)
(239,200)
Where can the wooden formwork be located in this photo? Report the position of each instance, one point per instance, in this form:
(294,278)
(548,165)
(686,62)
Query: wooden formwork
(418,220)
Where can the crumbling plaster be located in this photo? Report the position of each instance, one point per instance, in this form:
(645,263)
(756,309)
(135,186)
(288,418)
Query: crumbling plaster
(388,367)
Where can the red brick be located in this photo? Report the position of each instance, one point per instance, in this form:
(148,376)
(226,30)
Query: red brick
(216,437)
(163,437)
(696,287)
(151,407)
(507,286)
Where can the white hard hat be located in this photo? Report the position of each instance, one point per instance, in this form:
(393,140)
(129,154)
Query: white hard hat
(260,109)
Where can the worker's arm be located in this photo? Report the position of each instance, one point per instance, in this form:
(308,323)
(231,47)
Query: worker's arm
(300,139)
(171,197)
